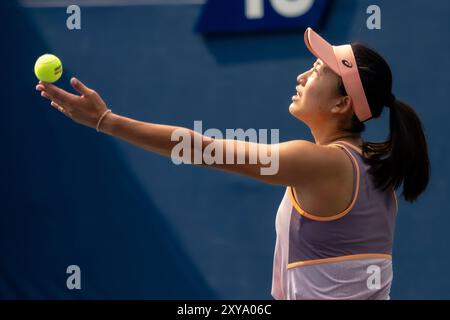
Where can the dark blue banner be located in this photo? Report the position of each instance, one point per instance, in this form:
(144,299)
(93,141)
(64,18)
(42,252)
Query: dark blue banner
(220,16)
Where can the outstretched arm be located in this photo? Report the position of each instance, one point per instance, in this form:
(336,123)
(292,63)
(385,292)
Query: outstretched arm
(297,162)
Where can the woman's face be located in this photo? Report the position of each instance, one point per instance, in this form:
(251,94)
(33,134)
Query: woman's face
(317,92)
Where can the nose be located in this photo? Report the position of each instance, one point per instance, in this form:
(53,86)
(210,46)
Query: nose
(301,79)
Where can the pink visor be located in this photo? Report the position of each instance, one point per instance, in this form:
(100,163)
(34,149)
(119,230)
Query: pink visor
(342,61)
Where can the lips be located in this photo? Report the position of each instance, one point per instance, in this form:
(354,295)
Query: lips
(298,93)
(296,96)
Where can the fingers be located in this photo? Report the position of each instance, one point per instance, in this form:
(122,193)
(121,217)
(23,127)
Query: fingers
(62,100)
(60,109)
(45,95)
(52,92)
(79,86)
(56,106)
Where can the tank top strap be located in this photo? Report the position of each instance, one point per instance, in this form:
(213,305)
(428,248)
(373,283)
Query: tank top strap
(350,148)
(347,144)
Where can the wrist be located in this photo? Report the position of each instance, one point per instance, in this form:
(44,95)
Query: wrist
(108,122)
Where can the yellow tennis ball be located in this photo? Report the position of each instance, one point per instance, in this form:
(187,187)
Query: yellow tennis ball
(48,68)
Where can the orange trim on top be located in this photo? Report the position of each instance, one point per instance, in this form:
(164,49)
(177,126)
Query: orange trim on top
(339,259)
(314,217)
(360,152)
(348,145)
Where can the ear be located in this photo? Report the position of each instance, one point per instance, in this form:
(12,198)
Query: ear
(343,105)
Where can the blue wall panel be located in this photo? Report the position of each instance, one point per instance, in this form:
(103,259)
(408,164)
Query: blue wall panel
(141,227)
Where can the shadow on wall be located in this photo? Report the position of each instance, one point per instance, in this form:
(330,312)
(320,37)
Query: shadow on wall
(69,198)
(232,48)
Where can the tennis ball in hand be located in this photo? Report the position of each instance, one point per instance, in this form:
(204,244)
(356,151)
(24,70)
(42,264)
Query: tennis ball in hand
(48,68)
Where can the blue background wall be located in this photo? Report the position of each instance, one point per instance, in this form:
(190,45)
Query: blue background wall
(141,227)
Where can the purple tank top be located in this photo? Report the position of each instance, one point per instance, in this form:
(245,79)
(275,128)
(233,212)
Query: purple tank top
(365,227)
(328,258)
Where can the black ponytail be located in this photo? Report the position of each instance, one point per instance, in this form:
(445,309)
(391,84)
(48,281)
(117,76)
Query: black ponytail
(403,157)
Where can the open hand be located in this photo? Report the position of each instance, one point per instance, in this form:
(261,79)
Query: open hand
(85,109)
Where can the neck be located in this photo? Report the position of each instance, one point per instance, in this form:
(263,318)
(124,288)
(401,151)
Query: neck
(324,137)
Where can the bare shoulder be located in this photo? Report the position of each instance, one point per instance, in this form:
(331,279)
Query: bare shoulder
(327,189)
(313,163)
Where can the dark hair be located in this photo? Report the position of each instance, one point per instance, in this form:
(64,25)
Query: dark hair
(403,158)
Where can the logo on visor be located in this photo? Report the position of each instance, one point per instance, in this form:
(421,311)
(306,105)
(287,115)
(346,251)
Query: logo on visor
(347,63)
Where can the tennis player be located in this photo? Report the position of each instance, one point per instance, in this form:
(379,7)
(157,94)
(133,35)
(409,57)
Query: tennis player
(335,224)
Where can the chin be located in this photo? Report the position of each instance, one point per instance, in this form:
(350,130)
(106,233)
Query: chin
(294,109)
